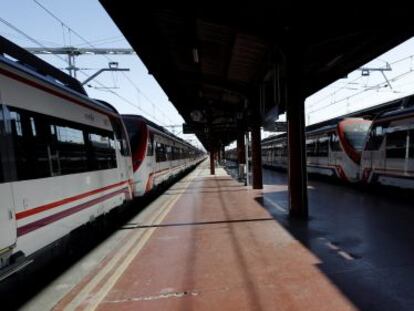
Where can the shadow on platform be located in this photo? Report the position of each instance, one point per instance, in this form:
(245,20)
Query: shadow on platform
(363,240)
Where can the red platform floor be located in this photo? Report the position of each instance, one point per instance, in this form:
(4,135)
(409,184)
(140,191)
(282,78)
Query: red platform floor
(210,246)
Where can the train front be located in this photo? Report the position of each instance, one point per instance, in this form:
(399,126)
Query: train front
(352,134)
(141,152)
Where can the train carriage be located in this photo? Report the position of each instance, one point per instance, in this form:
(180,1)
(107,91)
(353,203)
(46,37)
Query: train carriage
(157,155)
(388,158)
(64,158)
(332,149)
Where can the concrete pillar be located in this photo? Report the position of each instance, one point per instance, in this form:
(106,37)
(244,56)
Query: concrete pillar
(212,161)
(295,111)
(256,158)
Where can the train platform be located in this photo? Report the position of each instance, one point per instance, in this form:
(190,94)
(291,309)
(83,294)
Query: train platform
(210,244)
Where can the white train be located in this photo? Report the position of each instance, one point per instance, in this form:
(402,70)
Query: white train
(65,159)
(332,150)
(354,149)
(388,158)
(157,155)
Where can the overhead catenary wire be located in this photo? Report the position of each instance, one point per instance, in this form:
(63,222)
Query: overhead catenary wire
(373,87)
(10,25)
(87,42)
(21,32)
(70,31)
(405,58)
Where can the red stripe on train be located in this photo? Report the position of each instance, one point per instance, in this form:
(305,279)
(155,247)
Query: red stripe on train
(46,207)
(55,217)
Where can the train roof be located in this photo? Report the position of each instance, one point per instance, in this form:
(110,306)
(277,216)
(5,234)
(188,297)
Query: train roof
(396,113)
(159,128)
(391,109)
(378,110)
(313,129)
(23,61)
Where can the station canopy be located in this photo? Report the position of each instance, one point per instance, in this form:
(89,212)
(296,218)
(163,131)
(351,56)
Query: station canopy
(223,67)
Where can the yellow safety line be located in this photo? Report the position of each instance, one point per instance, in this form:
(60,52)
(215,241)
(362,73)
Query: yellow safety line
(133,247)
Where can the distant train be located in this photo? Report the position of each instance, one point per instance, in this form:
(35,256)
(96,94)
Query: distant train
(332,150)
(355,150)
(65,159)
(388,158)
(157,155)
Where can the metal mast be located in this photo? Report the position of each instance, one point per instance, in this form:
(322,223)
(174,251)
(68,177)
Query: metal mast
(73,52)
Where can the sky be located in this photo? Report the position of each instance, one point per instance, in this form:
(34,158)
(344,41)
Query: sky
(88,19)
(137,92)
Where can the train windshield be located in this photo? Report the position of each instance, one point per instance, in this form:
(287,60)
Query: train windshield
(132,127)
(356,132)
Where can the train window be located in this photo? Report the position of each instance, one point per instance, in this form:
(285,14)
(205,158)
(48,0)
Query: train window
(120,136)
(311,147)
(168,151)
(150,147)
(42,146)
(103,150)
(69,135)
(411,150)
(22,141)
(160,155)
(26,154)
(335,144)
(32,123)
(379,131)
(375,138)
(69,153)
(356,134)
(396,144)
(179,153)
(16,121)
(174,153)
(323,146)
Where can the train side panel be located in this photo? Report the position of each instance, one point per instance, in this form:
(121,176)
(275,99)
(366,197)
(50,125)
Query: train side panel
(65,166)
(388,158)
(158,156)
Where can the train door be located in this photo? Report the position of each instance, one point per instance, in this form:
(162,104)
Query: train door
(169,158)
(335,154)
(123,154)
(396,150)
(7,218)
(157,149)
(380,159)
(150,154)
(8,234)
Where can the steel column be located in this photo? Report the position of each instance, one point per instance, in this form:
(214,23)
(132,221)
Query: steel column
(212,162)
(295,110)
(257,157)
